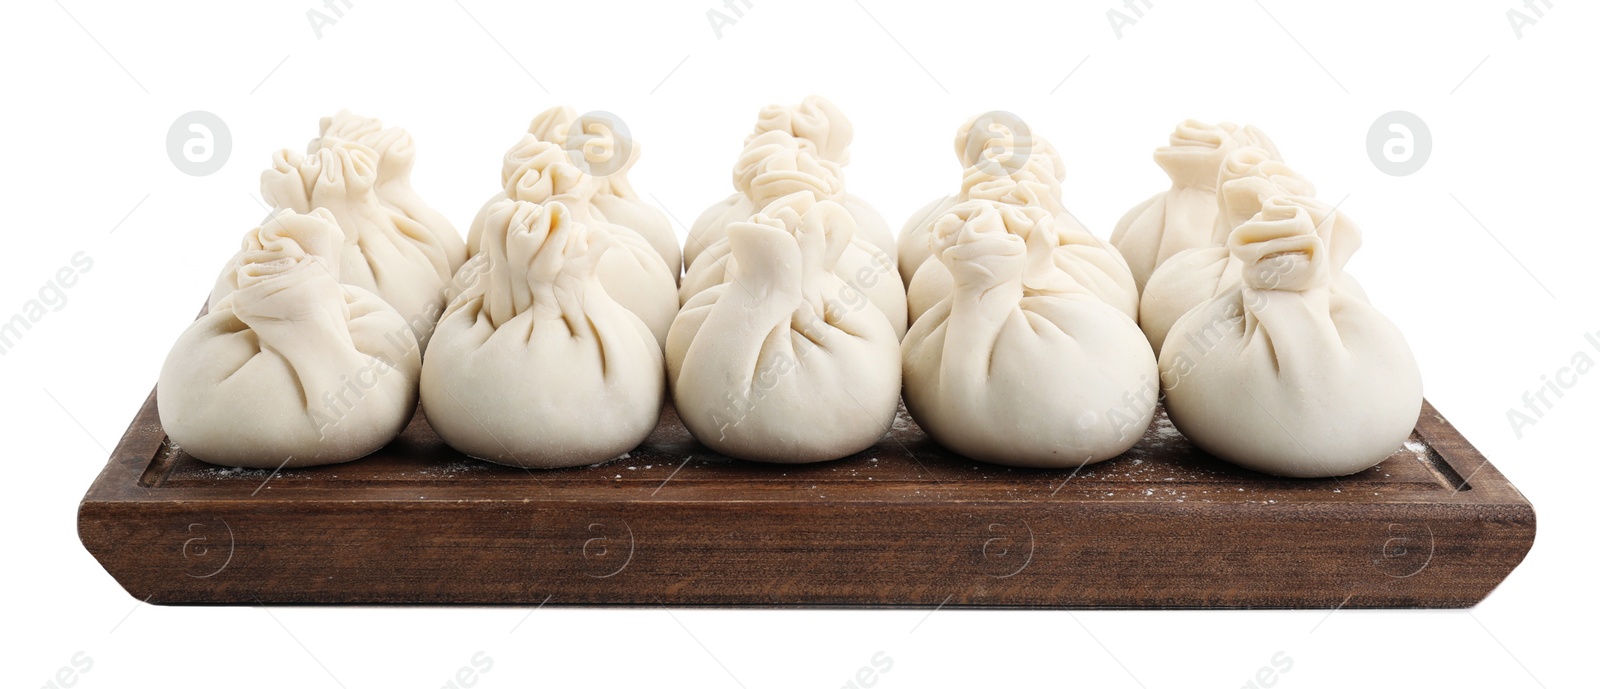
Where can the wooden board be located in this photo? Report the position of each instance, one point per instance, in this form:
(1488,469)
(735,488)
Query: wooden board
(902,524)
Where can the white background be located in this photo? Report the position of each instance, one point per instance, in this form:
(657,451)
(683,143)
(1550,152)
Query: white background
(92,87)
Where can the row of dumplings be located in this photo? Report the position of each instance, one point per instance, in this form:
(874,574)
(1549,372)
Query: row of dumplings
(556,330)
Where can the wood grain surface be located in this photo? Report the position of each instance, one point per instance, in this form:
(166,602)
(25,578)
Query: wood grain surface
(903,524)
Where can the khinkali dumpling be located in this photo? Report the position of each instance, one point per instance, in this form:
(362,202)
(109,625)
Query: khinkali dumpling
(1282,374)
(633,273)
(292,368)
(1005,146)
(775,365)
(1020,365)
(535,365)
(1182,217)
(816,125)
(384,251)
(860,265)
(396,154)
(602,146)
(1089,260)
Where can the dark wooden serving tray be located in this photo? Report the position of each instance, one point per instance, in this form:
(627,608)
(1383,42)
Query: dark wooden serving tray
(902,524)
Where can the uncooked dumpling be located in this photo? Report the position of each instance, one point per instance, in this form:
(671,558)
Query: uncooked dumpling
(1020,365)
(602,146)
(535,365)
(1003,147)
(1089,260)
(816,125)
(292,368)
(384,251)
(775,365)
(867,276)
(1182,217)
(1282,374)
(633,273)
(396,154)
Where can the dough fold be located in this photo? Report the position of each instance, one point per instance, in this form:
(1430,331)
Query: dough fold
(1182,217)
(385,251)
(821,130)
(396,154)
(1002,148)
(633,273)
(867,274)
(1249,177)
(601,145)
(1091,261)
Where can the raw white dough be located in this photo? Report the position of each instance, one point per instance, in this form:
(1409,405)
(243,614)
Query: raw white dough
(1182,217)
(549,174)
(632,271)
(1091,261)
(1249,176)
(865,270)
(292,368)
(816,125)
(396,154)
(1282,374)
(982,160)
(775,365)
(815,119)
(1020,365)
(604,139)
(384,251)
(535,365)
